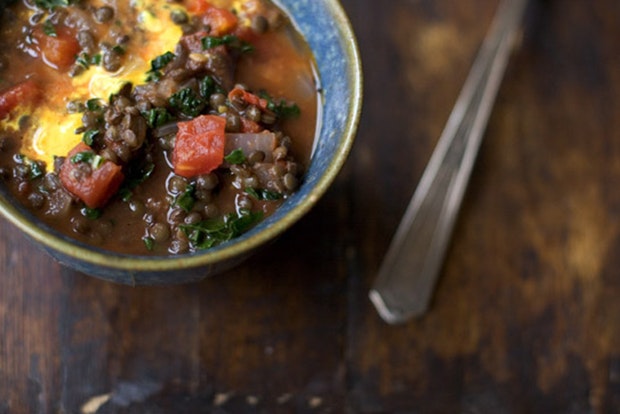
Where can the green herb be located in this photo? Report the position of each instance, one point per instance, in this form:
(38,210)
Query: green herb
(232,41)
(91,213)
(263,194)
(125,194)
(162,60)
(118,49)
(210,233)
(153,75)
(235,157)
(209,42)
(145,172)
(156,117)
(157,65)
(89,136)
(35,168)
(49,29)
(186,200)
(51,4)
(187,102)
(135,176)
(282,108)
(89,157)
(84,156)
(85,60)
(97,161)
(149,242)
(207,87)
(93,104)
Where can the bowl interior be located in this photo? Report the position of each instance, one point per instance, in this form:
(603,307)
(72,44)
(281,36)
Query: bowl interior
(327,30)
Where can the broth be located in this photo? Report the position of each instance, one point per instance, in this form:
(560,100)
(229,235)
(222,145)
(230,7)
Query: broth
(154,127)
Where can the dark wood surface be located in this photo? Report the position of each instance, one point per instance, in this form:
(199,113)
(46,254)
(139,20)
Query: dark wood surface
(526,318)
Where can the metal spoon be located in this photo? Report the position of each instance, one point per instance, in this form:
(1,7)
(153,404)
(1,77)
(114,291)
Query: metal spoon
(409,271)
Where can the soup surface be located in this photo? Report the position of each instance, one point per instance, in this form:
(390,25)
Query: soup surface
(153,126)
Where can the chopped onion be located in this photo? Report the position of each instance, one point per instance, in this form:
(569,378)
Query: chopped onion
(250,142)
(165,130)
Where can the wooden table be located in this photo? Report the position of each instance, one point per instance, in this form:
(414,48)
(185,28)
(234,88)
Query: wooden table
(526,318)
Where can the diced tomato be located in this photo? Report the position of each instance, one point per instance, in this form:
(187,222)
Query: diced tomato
(221,21)
(248,125)
(248,97)
(58,51)
(199,145)
(26,92)
(95,189)
(198,6)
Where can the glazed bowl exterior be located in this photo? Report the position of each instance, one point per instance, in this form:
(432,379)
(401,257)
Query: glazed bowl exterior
(326,28)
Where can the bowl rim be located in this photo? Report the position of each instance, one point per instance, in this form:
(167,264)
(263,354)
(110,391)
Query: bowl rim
(134,263)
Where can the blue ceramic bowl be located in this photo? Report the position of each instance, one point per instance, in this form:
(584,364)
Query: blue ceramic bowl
(326,28)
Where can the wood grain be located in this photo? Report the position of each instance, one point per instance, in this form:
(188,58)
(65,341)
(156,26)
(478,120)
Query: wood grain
(526,317)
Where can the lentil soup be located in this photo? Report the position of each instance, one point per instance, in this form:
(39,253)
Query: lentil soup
(153,127)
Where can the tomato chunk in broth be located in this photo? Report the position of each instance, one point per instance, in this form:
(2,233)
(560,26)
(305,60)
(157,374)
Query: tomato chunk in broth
(153,127)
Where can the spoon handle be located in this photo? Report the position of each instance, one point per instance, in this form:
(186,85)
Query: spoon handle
(409,271)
